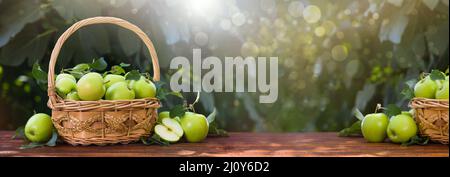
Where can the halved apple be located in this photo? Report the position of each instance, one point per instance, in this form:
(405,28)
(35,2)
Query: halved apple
(170,130)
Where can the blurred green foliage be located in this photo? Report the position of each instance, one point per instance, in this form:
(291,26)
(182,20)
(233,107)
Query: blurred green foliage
(334,55)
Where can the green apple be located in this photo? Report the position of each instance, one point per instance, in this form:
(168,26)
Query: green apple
(73,96)
(442,93)
(169,130)
(401,128)
(39,128)
(65,85)
(90,87)
(64,75)
(408,113)
(111,79)
(195,127)
(164,114)
(143,88)
(374,126)
(119,91)
(425,88)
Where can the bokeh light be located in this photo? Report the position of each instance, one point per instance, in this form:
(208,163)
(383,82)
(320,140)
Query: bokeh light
(312,14)
(238,19)
(201,39)
(296,8)
(339,52)
(249,49)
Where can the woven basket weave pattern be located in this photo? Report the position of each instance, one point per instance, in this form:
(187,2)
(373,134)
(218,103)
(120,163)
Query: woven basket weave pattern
(105,121)
(432,117)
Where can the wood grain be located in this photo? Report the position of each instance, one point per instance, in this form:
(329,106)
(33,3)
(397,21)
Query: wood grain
(237,145)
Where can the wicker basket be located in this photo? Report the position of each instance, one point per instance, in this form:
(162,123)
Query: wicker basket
(105,121)
(432,117)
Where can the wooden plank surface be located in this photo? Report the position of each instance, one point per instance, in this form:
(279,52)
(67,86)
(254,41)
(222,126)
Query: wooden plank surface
(237,145)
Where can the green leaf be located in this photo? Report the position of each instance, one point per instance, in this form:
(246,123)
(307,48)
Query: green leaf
(215,131)
(99,64)
(357,113)
(77,74)
(20,133)
(407,93)
(353,130)
(117,70)
(178,111)
(124,65)
(211,117)
(162,93)
(71,10)
(82,67)
(50,143)
(133,75)
(15,21)
(40,76)
(155,139)
(392,110)
(31,145)
(177,94)
(53,139)
(437,75)
(38,73)
(417,140)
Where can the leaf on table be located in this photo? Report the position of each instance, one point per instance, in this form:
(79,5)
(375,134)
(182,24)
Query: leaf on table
(31,145)
(353,130)
(51,143)
(417,140)
(20,133)
(53,139)
(215,131)
(155,139)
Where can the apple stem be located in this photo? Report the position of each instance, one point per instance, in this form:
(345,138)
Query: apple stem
(379,107)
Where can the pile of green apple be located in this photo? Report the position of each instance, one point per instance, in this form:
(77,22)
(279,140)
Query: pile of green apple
(93,86)
(401,128)
(432,89)
(194,127)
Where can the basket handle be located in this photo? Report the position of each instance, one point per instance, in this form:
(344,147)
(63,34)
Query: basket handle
(90,21)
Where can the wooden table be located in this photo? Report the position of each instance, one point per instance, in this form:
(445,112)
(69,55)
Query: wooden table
(237,145)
